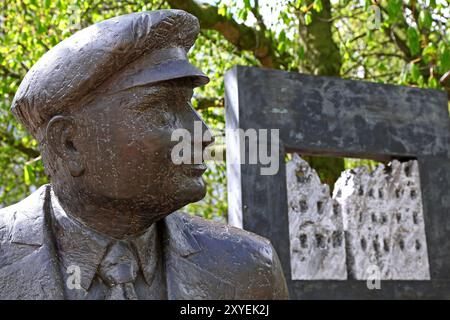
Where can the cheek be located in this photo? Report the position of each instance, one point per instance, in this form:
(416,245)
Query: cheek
(143,148)
(130,153)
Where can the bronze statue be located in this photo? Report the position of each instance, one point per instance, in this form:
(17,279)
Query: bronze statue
(102,105)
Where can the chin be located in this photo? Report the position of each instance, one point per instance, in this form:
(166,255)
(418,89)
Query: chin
(180,193)
(192,191)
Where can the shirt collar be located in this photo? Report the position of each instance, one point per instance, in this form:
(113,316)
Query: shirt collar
(85,248)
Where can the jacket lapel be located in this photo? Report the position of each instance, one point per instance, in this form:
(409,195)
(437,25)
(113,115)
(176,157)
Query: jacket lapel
(178,236)
(185,278)
(33,272)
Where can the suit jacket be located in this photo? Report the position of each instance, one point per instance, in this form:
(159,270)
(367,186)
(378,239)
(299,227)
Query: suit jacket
(202,259)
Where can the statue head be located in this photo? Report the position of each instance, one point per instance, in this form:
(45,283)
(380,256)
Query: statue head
(103,105)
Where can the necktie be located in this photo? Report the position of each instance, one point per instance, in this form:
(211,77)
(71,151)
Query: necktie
(119,270)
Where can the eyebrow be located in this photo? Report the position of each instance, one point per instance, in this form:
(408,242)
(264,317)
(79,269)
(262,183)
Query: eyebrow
(149,96)
(153,93)
(166,90)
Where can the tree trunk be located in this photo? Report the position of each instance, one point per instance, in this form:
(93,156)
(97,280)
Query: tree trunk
(322,59)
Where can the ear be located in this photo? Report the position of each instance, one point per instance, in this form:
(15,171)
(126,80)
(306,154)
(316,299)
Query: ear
(60,133)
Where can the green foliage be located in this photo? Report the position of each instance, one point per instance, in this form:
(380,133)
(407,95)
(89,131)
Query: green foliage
(394,10)
(425,20)
(354,163)
(413,41)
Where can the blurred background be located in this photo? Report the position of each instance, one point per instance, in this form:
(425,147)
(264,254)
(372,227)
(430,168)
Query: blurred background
(398,42)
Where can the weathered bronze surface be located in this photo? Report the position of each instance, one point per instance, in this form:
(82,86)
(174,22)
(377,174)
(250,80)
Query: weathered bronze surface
(103,104)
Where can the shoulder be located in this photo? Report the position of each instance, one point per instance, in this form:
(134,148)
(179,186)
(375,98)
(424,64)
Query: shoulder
(243,258)
(6,221)
(22,222)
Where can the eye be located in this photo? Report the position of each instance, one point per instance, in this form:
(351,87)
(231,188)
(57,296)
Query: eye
(159,116)
(182,91)
(163,118)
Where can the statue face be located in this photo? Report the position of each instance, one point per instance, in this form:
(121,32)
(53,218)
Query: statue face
(124,141)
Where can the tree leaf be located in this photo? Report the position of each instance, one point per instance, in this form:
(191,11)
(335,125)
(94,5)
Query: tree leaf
(308,18)
(429,53)
(433,83)
(425,19)
(242,14)
(413,41)
(222,10)
(318,6)
(415,72)
(394,9)
(444,57)
(28,174)
(301,53)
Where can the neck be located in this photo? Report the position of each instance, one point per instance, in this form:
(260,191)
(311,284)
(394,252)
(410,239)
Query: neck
(118,219)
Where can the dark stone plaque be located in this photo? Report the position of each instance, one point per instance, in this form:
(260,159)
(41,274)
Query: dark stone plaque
(335,117)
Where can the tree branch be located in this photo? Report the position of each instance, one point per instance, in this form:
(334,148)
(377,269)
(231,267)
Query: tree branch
(9,140)
(401,44)
(9,73)
(240,35)
(384,54)
(258,17)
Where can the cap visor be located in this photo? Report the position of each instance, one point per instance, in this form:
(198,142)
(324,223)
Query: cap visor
(169,70)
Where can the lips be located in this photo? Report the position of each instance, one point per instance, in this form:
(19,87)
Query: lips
(195,169)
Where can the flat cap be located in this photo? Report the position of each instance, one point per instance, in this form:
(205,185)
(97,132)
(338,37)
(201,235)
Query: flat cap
(132,50)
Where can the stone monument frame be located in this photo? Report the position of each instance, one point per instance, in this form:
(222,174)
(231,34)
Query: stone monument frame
(329,116)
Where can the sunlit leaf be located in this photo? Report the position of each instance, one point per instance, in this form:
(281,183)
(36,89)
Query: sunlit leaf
(394,9)
(433,83)
(308,18)
(425,19)
(415,72)
(318,6)
(413,41)
(222,10)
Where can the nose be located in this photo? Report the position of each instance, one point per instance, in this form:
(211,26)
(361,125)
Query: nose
(206,135)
